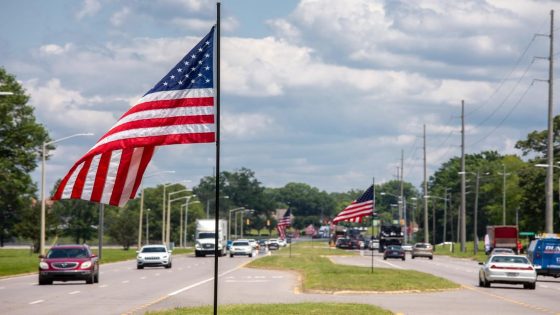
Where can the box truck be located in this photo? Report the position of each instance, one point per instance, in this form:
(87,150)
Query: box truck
(205,237)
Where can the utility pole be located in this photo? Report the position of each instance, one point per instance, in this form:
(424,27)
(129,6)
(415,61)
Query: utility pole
(504,194)
(425,197)
(463,199)
(434,221)
(445,215)
(475,219)
(550,150)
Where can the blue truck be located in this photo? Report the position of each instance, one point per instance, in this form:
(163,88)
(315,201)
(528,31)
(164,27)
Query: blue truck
(544,254)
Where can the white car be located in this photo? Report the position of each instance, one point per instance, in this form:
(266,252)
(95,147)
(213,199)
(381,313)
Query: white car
(153,256)
(253,243)
(282,242)
(509,269)
(241,247)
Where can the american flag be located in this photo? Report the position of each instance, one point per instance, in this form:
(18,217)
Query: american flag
(178,109)
(283,223)
(359,208)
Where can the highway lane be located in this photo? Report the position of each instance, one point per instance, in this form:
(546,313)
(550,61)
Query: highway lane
(125,290)
(465,272)
(122,288)
(246,285)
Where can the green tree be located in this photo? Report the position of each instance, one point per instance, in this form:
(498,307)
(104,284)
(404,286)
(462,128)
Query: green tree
(123,227)
(78,219)
(21,138)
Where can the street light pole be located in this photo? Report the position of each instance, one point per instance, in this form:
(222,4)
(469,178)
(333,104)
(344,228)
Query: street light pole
(43,171)
(142,206)
(229,221)
(147,227)
(168,224)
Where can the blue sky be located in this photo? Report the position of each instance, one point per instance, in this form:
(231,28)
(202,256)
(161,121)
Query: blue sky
(325,92)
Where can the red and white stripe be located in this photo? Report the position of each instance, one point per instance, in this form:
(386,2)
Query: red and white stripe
(111,171)
(355,211)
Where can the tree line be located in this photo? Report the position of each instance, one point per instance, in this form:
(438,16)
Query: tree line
(21,138)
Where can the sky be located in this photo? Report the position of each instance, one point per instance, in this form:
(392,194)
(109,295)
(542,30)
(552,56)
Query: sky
(324,92)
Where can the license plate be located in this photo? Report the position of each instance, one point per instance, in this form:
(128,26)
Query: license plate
(512,274)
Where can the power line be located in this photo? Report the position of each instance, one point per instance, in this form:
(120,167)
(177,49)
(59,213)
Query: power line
(506,117)
(507,96)
(506,78)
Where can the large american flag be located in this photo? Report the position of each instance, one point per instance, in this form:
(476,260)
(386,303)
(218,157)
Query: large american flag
(178,109)
(359,208)
(283,223)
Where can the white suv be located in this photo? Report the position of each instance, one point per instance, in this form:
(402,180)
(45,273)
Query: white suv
(153,256)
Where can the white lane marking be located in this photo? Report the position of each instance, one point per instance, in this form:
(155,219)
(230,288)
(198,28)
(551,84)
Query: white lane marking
(125,281)
(260,277)
(157,274)
(103,286)
(36,302)
(142,278)
(543,285)
(247,281)
(390,264)
(181,268)
(73,292)
(202,282)
(277,277)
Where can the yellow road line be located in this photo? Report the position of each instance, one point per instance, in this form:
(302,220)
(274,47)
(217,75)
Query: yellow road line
(503,298)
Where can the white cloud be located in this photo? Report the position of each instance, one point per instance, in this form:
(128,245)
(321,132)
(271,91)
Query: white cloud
(89,8)
(120,17)
(53,49)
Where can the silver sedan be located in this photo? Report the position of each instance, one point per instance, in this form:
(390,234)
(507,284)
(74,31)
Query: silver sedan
(508,269)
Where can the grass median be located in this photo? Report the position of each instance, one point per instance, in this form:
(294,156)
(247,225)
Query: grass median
(284,309)
(21,261)
(320,274)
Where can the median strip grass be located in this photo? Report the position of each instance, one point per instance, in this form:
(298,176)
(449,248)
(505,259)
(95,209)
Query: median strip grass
(21,261)
(284,309)
(320,274)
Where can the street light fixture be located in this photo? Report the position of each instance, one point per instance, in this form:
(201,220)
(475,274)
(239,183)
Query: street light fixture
(168,224)
(229,221)
(163,214)
(3,93)
(142,205)
(186,205)
(43,204)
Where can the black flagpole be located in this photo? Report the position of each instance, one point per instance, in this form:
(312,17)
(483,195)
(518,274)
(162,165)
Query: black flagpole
(217,174)
(372,222)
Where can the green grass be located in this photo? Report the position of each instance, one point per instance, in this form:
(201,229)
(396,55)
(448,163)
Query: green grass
(19,261)
(469,251)
(284,309)
(319,273)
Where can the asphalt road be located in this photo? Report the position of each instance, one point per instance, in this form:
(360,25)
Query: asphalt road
(125,290)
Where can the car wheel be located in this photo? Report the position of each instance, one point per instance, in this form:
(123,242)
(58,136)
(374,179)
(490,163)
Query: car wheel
(96,278)
(480,282)
(90,279)
(44,281)
(530,286)
(412,257)
(139,266)
(384,258)
(431,257)
(403,258)
(250,255)
(168,266)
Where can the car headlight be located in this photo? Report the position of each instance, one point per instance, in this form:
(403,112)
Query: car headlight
(197,246)
(43,265)
(139,257)
(164,257)
(86,265)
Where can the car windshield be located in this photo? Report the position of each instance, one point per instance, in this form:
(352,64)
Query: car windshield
(421,246)
(67,253)
(240,243)
(206,235)
(393,247)
(510,260)
(153,250)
